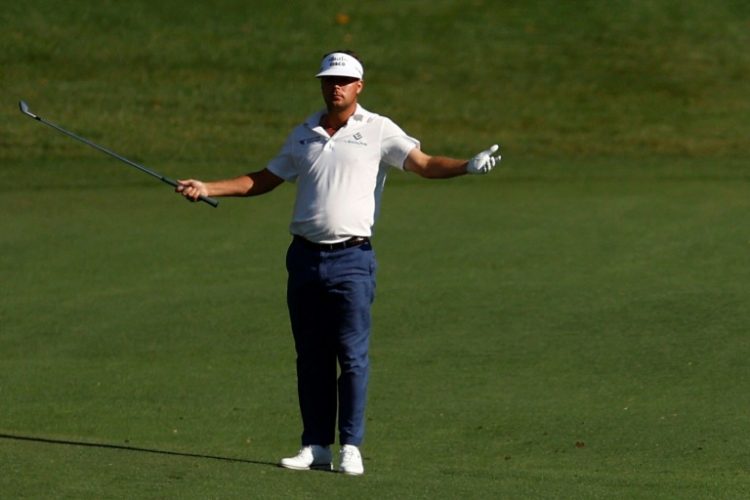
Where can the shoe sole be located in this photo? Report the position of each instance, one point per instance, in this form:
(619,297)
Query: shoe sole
(346,473)
(324,467)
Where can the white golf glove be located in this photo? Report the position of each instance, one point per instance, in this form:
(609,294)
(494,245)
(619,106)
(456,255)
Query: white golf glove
(484,161)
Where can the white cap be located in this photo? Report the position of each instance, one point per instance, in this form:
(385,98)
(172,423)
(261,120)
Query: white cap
(341,64)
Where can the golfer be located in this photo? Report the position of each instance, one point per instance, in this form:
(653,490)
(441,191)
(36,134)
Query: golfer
(338,158)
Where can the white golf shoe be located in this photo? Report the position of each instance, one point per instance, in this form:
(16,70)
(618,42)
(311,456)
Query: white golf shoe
(351,461)
(310,457)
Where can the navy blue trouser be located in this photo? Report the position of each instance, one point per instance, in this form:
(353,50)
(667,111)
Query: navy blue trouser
(329,295)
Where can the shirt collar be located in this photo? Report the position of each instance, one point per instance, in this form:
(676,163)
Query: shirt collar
(358,119)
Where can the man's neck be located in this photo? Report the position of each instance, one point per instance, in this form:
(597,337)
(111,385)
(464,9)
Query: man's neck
(334,119)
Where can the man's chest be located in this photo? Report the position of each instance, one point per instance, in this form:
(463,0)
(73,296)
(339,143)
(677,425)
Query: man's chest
(356,149)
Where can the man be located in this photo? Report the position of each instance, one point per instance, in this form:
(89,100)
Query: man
(339,159)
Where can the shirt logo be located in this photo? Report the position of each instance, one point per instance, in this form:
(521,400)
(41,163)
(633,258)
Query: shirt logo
(310,140)
(357,139)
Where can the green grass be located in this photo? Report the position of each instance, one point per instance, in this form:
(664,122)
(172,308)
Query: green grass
(571,326)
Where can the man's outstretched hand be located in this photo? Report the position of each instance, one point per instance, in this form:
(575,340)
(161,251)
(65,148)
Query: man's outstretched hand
(484,161)
(191,189)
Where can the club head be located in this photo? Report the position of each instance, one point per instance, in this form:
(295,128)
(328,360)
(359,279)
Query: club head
(25,109)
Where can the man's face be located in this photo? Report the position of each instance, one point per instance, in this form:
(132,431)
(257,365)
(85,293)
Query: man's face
(340,92)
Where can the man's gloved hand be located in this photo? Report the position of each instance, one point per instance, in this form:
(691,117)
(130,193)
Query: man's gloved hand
(484,161)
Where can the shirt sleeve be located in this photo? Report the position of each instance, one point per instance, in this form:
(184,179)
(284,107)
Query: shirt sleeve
(396,144)
(283,165)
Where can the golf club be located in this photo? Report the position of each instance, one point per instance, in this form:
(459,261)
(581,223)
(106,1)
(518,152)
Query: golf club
(25,110)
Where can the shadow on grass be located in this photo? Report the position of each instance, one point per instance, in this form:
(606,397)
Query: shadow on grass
(107,446)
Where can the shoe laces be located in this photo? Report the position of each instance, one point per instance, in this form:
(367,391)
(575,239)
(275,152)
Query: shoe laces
(349,453)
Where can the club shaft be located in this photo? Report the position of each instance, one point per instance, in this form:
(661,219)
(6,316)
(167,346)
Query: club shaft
(111,153)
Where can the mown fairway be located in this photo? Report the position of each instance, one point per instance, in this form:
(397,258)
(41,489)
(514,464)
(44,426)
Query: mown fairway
(573,325)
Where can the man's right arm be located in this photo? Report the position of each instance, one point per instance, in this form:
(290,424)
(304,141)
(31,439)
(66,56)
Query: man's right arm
(253,184)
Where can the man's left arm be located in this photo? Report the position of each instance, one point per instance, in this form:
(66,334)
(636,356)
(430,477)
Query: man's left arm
(442,167)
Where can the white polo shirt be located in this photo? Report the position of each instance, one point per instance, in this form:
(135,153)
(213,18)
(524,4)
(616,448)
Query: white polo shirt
(340,178)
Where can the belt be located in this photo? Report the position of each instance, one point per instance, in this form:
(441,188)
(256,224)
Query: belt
(354,241)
